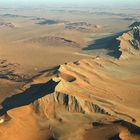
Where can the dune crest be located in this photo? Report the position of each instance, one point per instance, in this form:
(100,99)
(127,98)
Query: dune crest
(82,85)
(69,74)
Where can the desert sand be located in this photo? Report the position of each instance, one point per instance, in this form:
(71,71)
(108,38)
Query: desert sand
(67,76)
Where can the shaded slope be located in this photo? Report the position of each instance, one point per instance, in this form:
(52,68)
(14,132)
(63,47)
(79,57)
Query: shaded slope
(28,96)
(123,44)
(80,92)
(136,23)
(89,86)
(130,42)
(108,43)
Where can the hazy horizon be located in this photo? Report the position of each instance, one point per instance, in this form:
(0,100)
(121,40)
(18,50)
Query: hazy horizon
(90,3)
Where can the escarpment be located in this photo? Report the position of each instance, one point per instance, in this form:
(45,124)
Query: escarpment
(90,86)
(130,42)
(87,87)
(66,103)
(69,72)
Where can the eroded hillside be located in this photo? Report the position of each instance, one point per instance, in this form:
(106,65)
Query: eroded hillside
(80,100)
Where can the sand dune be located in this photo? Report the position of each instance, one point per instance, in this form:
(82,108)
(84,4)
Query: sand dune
(130,42)
(99,92)
(91,86)
(53,86)
(54,41)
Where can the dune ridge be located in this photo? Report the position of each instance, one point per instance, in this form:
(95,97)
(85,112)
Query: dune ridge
(77,100)
(130,42)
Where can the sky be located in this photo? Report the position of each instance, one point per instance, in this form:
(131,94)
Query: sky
(70,2)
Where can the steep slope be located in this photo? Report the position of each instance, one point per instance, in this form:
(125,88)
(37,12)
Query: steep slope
(92,85)
(80,100)
(130,42)
(97,86)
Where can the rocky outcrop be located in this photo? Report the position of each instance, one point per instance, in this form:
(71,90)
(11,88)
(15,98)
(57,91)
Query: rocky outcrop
(6,25)
(87,86)
(68,102)
(130,42)
(53,41)
(82,27)
(9,71)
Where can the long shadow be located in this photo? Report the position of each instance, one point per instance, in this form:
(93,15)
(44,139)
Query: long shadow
(47,22)
(137,23)
(131,127)
(28,96)
(116,137)
(50,71)
(109,43)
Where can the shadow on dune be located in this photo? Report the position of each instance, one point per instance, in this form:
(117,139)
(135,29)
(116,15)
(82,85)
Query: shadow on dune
(116,137)
(50,72)
(137,23)
(28,96)
(131,127)
(109,43)
(47,22)
(51,138)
